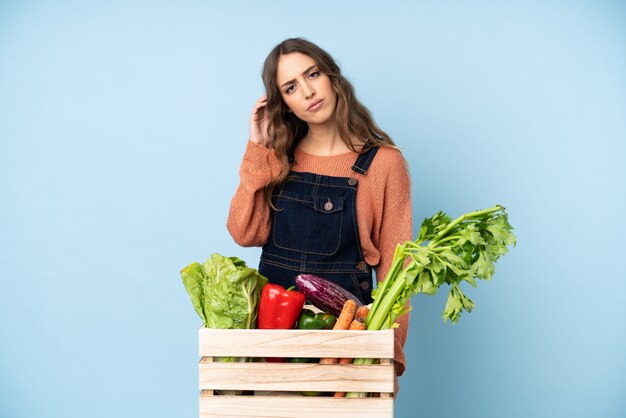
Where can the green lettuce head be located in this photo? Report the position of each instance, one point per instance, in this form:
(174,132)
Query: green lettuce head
(224,291)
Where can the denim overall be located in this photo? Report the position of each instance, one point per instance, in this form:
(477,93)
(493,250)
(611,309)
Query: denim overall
(315,231)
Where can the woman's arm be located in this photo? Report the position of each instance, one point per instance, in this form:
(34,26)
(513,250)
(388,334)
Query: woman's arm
(249,215)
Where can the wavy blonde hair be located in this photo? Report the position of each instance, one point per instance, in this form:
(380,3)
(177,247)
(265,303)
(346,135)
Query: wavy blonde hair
(285,129)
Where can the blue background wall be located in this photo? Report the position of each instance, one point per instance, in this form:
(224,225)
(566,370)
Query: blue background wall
(122,126)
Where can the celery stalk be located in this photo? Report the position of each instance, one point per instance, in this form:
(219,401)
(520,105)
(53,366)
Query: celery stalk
(473,243)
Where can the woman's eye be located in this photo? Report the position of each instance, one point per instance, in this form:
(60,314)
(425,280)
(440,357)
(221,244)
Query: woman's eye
(289,89)
(314,74)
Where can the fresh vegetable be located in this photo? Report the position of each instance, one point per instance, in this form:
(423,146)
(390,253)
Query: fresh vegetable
(300,360)
(311,320)
(445,251)
(225,293)
(361,314)
(343,322)
(308,320)
(329,319)
(279,309)
(324,294)
(310,393)
(347,315)
(357,324)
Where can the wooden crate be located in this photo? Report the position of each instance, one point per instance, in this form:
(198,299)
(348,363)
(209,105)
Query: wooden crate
(284,380)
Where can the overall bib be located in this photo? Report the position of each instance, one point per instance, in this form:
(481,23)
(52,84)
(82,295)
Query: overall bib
(315,231)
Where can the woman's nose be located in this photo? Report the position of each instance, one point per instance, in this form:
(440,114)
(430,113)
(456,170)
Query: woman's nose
(308,91)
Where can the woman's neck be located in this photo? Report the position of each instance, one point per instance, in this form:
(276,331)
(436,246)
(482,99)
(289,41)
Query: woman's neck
(323,140)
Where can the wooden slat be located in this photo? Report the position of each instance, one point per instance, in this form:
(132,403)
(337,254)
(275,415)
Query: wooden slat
(387,361)
(206,360)
(297,377)
(295,343)
(285,406)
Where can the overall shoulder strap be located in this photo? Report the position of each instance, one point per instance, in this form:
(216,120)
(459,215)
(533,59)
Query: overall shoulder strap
(364,160)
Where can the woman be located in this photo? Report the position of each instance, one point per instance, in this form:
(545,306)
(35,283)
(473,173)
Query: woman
(322,188)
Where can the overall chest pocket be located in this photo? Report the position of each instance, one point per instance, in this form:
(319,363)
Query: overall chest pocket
(310,224)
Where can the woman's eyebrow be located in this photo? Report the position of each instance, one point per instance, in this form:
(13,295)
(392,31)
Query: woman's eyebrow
(303,73)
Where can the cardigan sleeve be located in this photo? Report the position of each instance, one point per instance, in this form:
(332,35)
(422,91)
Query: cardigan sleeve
(396,227)
(249,214)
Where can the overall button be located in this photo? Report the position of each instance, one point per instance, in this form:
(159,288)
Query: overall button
(352,181)
(362,266)
(328,205)
(365,285)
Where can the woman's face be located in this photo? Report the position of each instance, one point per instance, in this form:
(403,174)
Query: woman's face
(305,89)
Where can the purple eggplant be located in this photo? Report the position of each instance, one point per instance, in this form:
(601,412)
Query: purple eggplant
(324,294)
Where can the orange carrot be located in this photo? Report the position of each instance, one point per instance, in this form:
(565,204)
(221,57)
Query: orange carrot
(346,316)
(361,313)
(356,325)
(343,323)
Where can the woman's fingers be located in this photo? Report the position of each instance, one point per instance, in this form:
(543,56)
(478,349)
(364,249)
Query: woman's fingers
(260,103)
(261,100)
(259,121)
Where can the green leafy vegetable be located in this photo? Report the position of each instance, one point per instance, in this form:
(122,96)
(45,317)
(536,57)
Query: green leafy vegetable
(446,251)
(225,294)
(224,291)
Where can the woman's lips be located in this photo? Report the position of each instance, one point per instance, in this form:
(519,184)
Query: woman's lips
(316,106)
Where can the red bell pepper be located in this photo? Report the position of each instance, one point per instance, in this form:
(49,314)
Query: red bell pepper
(279,309)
